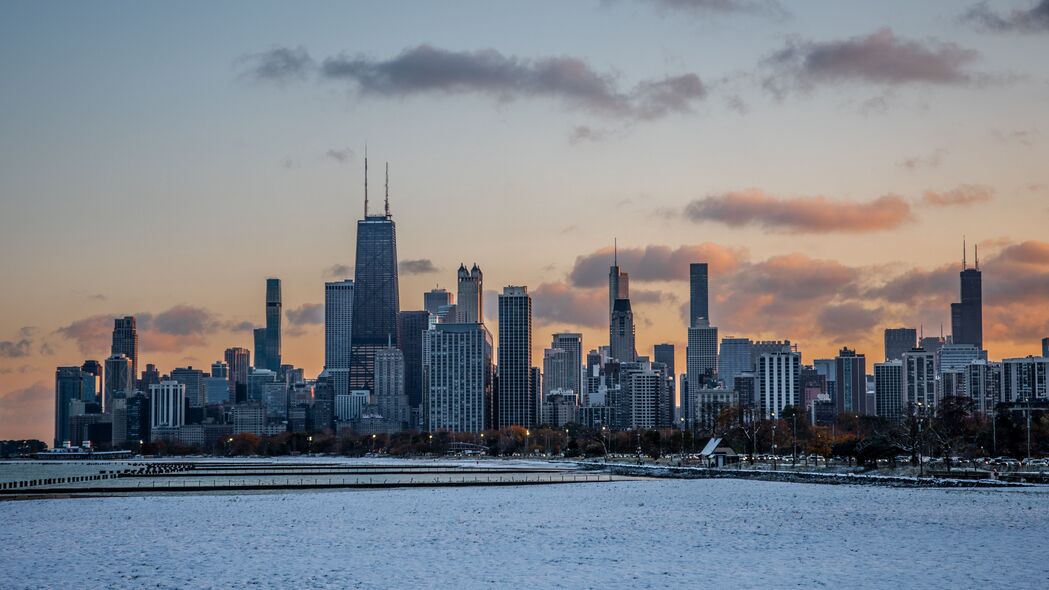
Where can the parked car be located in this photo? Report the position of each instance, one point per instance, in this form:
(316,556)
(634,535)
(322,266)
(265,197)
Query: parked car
(1040,463)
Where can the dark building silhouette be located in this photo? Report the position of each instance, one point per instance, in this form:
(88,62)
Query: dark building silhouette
(259,344)
(851,378)
(516,401)
(899,341)
(273,311)
(125,340)
(376,300)
(967,314)
(698,293)
(410,328)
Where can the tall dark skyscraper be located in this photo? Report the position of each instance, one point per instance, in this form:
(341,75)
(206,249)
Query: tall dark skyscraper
(435,298)
(1045,347)
(69,383)
(238,360)
(259,343)
(621,332)
(967,314)
(515,399)
(410,328)
(376,299)
(899,341)
(699,302)
(273,311)
(125,340)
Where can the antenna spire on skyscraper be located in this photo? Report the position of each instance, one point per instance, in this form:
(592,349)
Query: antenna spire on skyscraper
(964,266)
(366,180)
(615,252)
(387,189)
(976,250)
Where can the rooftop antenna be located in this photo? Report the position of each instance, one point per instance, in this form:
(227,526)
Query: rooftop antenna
(387,189)
(922,336)
(615,252)
(963,254)
(976,248)
(366,180)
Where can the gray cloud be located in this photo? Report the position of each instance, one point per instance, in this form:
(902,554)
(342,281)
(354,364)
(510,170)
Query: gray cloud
(560,303)
(808,214)
(879,58)
(966,194)
(706,7)
(932,160)
(426,69)
(22,346)
(29,412)
(339,271)
(847,321)
(653,263)
(180,320)
(306,314)
(279,65)
(1031,20)
(417,267)
(340,155)
(582,133)
(244,326)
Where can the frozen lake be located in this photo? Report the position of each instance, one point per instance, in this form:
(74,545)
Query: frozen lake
(659,533)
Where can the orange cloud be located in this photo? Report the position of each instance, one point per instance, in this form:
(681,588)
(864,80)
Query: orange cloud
(805,214)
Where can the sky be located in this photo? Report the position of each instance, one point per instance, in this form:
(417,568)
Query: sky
(825,157)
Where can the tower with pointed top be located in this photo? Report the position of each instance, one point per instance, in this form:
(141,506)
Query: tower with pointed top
(470,309)
(967,314)
(376,299)
(618,282)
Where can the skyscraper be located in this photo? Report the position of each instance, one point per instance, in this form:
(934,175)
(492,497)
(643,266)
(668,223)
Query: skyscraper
(618,283)
(389,396)
(572,344)
(69,384)
(119,381)
(919,380)
(967,314)
(899,341)
(888,389)
(410,328)
(125,340)
(1045,347)
(621,332)
(259,342)
(167,402)
(734,358)
(238,360)
(851,376)
(458,366)
(435,298)
(273,335)
(470,308)
(701,361)
(663,354)
(338,332)
(376,298)
(193,380)
(778,382)
(515,404)
(698,303)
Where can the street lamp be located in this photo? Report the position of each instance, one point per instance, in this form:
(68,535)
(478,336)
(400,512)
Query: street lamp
(774,441)
(794,438)
(309,445)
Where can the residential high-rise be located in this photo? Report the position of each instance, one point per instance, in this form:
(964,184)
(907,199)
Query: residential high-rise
(435,298)
(698,303)
(167,402)
(967,314)
(259,341)
(410,328)
(220,370)
(888,389)
(125,340)
(458,369)
(69,383)
(734,358)
(376,299)
(955,357)
(572,344)
(621,332)
(664,354)
(1025,379)
(470,307)
(515,404)
(778,382)
(555,371)
(389,397)
(239,361)
(899,341)
(983,383)
(851,376)
(273,333)
(919,381)
(119,382)
(338,332)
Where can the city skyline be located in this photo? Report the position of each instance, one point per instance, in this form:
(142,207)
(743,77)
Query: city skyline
(866,239)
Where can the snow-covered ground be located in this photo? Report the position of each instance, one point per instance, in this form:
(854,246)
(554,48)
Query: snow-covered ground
(658,533)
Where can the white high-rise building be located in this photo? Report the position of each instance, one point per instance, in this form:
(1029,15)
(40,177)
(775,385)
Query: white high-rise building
(919,380)
(458,370)
(701,359)
(572,344)
(983,383)
(167,404)
(348,406)
(1025,379)
(955,357)
(338,332)
(778,382)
